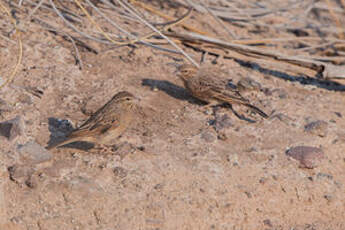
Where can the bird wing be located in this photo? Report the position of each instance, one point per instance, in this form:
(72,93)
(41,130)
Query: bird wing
(230,96)
(97,124)
(101,121)
(216,88)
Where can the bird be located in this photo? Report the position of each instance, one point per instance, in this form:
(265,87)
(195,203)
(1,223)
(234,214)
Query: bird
(106,124)
(205,85)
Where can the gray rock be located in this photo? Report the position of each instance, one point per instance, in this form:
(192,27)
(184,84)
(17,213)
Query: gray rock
(21,174)
(319,128)
(281,93)
(248,84)
(308,157)
(4,107)
(208,136)
(120,172)
(11,128)
(221,122)
(33,153)
(283,118)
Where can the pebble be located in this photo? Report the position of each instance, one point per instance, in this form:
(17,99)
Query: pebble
(4,107)
(221,122)
(120,172)
(33,153)
(11,128)
(208,136)
(268,223)
(340,137)
(248,84)
(281,93)
(283,118)
(318,128)
(308,157)
(21,174)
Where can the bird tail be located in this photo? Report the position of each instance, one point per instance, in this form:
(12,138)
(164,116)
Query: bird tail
(59,143)
(68,139)
(256,109)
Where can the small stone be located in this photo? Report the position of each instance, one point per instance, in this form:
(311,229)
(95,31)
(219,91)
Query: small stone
(11,128)
(309,157)
(33,153)
(283,118)
(233,159)
(249,195)
(329,198)
(338,114)
(222,136)
(221,122)
(319,128)
(4,107)
(267,91)
(268,223)
(324,175)
(120,172)
(158,186)
(24,99)
(282,94)
(248,84)
(263,180)
(208,136)
(20,174)
(340,137)
(123,149)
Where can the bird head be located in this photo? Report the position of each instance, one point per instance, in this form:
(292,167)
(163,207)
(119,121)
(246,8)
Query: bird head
(186,71)
(126,99)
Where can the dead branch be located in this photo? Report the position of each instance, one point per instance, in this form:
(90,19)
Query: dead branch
(325,70)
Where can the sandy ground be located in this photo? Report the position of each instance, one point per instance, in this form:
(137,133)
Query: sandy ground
(193,170)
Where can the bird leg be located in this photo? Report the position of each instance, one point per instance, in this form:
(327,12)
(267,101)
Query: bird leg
(239,116)
(211,108)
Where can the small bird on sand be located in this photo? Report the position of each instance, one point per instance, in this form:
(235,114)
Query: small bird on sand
(106,124)
(205,85)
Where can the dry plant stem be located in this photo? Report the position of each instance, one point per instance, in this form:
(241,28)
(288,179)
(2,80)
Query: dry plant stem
(35,9)
(156,12)
(51,28)
(164,28)
(287,39)
(336,19)
(48,7)
(327,70)
(219,21)
(109,20)
(7,39)
(20,54)
(93,38)
(74,28)
(130,9)
(96,24)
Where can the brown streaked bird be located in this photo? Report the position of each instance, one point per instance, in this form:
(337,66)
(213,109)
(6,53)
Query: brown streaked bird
(205,85)
(106,124)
